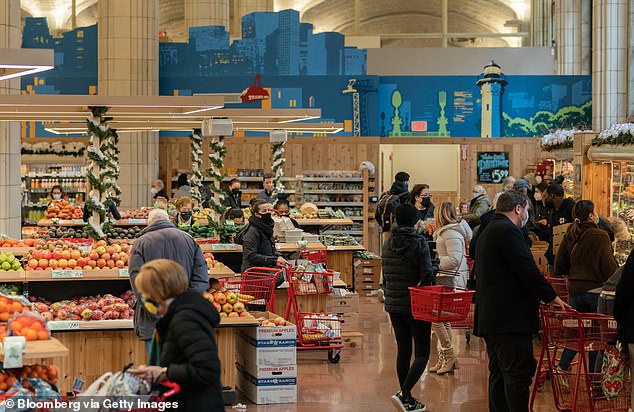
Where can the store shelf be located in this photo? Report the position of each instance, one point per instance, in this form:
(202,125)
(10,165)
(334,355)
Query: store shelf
(334,192)
(53,175)
(223,272)
(49,222)
(239,322)
(323,222)
(221,248)
(30,223)
(353,248)
(337,204)
(40,349)
(18,251)
(61,275)
(38,190)
(41,159)
(331,179)
(343,232)
(292,247)
(68,325)
(12,276)
(241,178)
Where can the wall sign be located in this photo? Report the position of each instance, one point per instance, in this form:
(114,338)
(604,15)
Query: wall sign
(493,167)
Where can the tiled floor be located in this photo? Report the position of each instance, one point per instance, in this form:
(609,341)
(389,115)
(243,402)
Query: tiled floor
(365,378)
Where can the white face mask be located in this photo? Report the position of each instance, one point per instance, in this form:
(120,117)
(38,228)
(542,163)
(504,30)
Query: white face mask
(57,196)
(154,190)
(538,196)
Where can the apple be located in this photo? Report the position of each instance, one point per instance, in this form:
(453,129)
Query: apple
(217,306)
(72,263)
(47,255)
(110,249)
(220,298)
(244,314)
(231,297)
(33,263)
(223,315)
(106,256)
(101,250)
(87,267)
(102,243)
(101,263)
(62,263)
(93,255)
(82,261)
(110,263)
(92,263)
(62,314)
(115,256)
(53,263)
(238,307)
(227,308)
(57,254)
(279,321)
(233,315)
(86,314)
(37,254)
(47,315)
(43,263)
(97,315)
(120,264)
(117,248)
(75,254)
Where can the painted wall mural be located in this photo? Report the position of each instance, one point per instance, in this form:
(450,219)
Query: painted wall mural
(305,69)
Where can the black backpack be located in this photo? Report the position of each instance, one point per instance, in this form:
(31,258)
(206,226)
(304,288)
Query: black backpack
(386,207)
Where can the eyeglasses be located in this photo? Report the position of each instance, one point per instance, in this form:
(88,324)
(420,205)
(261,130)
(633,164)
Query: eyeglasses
(424,195)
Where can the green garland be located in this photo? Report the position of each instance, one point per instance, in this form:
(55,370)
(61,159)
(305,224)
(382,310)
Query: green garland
(622,139)
(103,171)
(196,181)
(277,151)
(557,146)
(218,152)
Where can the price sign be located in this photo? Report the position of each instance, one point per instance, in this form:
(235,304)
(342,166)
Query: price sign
(67,274)
(493,167)
(79,221)
(137,221)
(223,246)
(63,324)
(84,248)
(123,273)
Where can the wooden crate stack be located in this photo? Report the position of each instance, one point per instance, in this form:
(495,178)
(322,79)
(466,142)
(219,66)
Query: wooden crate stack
(367,275)
(346,306)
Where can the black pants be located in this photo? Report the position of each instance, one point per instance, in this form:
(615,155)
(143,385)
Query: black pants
(407,328)
(511,370)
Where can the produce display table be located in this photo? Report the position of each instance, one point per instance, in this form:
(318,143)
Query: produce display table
(221,248)
(340,260)
(223,272)
(49,222)
(292,247)
(48,275)
(41,349)
(226,342)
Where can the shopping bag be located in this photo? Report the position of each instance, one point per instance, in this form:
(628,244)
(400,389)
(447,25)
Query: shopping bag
(614,370)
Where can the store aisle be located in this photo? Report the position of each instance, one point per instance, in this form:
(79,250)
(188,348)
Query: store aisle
(365,379)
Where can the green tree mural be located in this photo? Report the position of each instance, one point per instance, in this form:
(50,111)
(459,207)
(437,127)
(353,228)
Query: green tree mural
(544,121)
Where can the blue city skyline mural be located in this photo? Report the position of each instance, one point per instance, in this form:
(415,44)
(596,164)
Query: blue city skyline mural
(306,69)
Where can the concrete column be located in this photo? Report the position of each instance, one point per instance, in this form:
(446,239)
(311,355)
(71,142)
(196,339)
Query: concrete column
(541,23)
(610,43)
(128,66)
(206,13)
(240,8)
(10,191)
(568,36)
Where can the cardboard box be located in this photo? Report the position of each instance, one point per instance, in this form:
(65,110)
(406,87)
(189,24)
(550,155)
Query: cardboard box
(366,262)
(367,270)
(267,391)
(352,340)
(264,333)
(540,258)
(343,304)
(350,321)
(559,233)
(268,353)
(366,278)
(266,372)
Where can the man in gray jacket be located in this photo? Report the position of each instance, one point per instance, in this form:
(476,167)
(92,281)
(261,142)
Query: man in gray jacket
(162,240)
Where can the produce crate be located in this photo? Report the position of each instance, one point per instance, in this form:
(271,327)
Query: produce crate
(267,353)
(348,303)
(371,267)
(264,391)
(350,322)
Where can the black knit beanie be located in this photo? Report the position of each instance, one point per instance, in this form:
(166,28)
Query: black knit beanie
(407,215)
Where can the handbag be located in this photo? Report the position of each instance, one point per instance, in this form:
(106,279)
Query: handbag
(614,370)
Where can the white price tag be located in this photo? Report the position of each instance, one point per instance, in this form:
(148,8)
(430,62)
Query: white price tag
(84,248)
(137,221)
(67,274)
(63,324)
(223,246)
(79,221)
(123,273)
(14,347)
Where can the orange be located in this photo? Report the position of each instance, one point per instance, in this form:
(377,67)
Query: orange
(42,335)
(4,307)
(3,387)
(37,325)
(16,307)
(16,326)
(4,316)
(26,321)
(11,381)
(30,334)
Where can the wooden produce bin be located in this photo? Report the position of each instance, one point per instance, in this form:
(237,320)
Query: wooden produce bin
(367,275)
(340,260)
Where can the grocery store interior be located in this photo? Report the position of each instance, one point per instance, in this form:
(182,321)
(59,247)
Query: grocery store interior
(269,145)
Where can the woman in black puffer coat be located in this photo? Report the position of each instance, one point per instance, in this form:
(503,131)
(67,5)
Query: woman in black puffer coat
(624,310)
(407,262)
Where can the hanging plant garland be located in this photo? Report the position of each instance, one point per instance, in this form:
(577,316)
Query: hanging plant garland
(617,134)
(196,181)
(277,150)
(216,157)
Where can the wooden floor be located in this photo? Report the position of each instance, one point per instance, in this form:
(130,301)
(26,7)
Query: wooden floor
(365,379)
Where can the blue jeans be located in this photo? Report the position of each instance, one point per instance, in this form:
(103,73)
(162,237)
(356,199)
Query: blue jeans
(586,303)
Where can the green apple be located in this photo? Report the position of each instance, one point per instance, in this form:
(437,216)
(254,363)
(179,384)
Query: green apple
(16,266)
(6,265)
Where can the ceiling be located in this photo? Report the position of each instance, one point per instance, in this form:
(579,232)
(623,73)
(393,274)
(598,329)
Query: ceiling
(377,17)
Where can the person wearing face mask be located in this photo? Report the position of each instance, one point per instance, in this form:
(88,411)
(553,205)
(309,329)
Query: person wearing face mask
(184,208)
(233,195)
(510,287)
(559,213)
(283,207)
(586,258)
(184,349)
(420,197)
(57,193)
(158,189)
(258,248)
(479,205)
(162,240)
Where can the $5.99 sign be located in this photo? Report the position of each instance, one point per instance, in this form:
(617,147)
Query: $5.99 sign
(492,167)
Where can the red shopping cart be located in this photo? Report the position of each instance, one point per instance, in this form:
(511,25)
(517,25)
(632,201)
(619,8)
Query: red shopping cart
(440,303)
(467,323)
(561,287)
(579,389)
(255,287)
(315,331)
(315,256)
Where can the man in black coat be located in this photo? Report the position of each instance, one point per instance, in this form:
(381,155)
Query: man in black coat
(510,287)
(233,195)
(559,213)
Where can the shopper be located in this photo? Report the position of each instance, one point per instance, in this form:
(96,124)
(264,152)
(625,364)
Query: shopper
(233,195)
(258,248)
(57,193)
(624,311)
(585,257)
(187,353)
(267,192)
(184,189)
(158,189)
(185,210)
(236,216)
(510,287)
(559,213)
(162,240)
(507,184)
(407,262)
(389,201)
(451,238)
(420,197)
(480,204)
(283,208)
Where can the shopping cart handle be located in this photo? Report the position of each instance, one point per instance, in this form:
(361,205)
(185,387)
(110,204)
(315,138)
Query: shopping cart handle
(174,389)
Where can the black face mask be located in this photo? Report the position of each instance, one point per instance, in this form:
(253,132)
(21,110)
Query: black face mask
(235,191)
(550,204)
(186,215)
(266,218)
(425,201)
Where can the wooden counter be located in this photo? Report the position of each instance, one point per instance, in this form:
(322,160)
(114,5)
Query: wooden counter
(292,247)
(41,349)
(340,260)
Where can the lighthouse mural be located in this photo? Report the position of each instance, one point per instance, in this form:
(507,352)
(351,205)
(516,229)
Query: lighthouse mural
(491,83)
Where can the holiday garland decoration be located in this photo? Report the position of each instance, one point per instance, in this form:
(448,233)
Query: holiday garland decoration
(617,134)
(103,171)
(75,149)
(277,150)
(196,181)
(216,157)
(560,139)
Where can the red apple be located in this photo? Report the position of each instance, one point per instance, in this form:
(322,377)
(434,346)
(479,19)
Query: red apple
(82,261)
(57,254)
(110,263)
(233,315)
(220,298)
(115,256)
(37,254)
(238,307)
(86,267)
(62,314)
(92,262)
(217,306)
(227,308)
(47,315)
(43,263)
(117,248)
(33,263)
(120,264)
(72,263)
(75,254)
(105,256)
(110,249)
(93,255)
(101,263)
(47,255)
(244,314)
